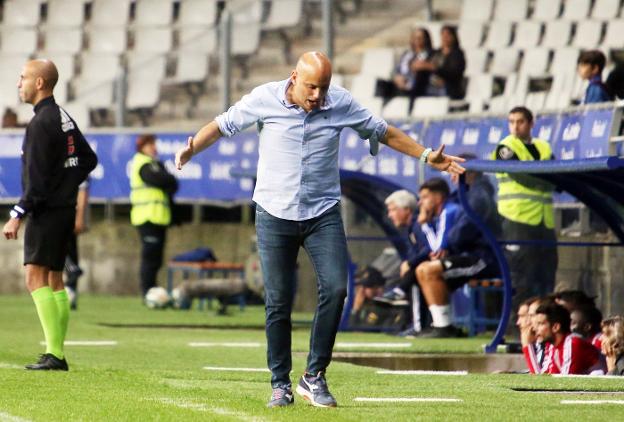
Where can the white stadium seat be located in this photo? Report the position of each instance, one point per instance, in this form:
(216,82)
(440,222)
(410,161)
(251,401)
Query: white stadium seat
(528,34)
(588,34)
(498,104)
(396,108)
(557,34)
(565,61)
(197,12)
(18,41)
(337,79)
(79,112)
(108,40)
(505,61)
(191,67)
(470,34)
(245,11)
(245,38)
(430,107)
(65,13)
(284,14)
(145,65)
(374,105)
(142,93)
(94,93)
(557,100)
(378,62)
(8,91)
(535,62)
(606,9)
(546,10)
(21,12)
(499,35)
(476,10)
(511,10)
(613,35)
(63,40)
(363,86)
(476,60)
(480,87)
(153,12)
(152,40)
(110,13)
(100,67)
(511,81)
(576,9)
(198,39)
(535,101)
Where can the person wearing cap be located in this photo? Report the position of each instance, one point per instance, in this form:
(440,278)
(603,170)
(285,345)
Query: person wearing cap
(151,189)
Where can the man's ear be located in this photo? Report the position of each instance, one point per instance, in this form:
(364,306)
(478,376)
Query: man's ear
(39,83)
(556,327)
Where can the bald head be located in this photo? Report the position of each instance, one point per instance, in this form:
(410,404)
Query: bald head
(310,80)
(37,80)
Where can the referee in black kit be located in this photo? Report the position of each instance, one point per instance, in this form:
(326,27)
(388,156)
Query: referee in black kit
(56,158)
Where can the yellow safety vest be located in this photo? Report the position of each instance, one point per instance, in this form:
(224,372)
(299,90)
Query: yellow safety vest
(518,202)
(149,204)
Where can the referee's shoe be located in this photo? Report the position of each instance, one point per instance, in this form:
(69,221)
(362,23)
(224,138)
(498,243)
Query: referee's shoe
(49,362)
(313,388)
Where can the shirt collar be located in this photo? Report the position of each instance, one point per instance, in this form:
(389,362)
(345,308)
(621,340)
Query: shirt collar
(327,104)
(595,79)
(44,102)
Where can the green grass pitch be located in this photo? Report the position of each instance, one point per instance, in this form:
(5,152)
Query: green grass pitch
(153,374)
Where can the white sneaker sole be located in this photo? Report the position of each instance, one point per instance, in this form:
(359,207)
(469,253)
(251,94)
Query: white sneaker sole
(307,396)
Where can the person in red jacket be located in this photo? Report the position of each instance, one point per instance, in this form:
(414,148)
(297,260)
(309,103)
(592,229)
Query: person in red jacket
(567,353)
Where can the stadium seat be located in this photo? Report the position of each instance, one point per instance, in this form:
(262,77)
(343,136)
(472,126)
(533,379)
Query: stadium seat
(557,100)
(8,91)
(546,10)
(374,105)
(588,34)
(434,29)
(191,67)
(505,61)
(606,9)
(197,12)
(565,61)
(613,34)
(21,13)
(245,11)
(510,84)
(108,40)
(476,60)
(146,65)
(499,35)
(153,12)
(535,101)
(63,40)
(79,112)
(152,40)
(470,34)
(24,113)
(528,34)
(511,10)
(576,10)
(96,94)
(425,107)
(476,10)
(498,104)
(283,14)
(480,87)
(378,62)
(520,87)
(100,67)
(65,13)
(142,92)
(396,108)
(21,41)
(245,38)
(197,39)
(106,13)
(363,86)
(557,34)
(337,79)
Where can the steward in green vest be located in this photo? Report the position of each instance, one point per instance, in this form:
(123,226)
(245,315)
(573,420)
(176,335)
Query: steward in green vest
(525,203)
(151,190)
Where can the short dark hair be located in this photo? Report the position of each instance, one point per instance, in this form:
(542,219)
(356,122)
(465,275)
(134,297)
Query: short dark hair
(436,184)
(556,314)
(576,298)
(593,58)
(524,111)
(143,140)
(590,315)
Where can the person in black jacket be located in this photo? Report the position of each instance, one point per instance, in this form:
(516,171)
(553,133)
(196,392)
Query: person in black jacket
(56,159)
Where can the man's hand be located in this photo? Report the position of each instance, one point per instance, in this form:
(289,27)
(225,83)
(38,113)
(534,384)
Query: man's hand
(439,254)
(184,155)
(79,226)
(442,162)
(11,228)
(404,269)
(527,336)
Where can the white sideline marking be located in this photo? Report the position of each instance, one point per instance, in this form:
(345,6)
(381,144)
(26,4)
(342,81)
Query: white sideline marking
(419,372)
(601,377)
(4,365)
(592,401)
(7,417)
(86,343)
(204,408)
(407,399)
(220,368)
(373,345)
(225,344)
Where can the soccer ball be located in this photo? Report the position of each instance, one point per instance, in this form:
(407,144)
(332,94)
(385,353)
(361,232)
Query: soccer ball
(157,298)
(180,299)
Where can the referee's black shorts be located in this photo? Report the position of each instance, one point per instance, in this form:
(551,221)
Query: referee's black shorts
(47,236)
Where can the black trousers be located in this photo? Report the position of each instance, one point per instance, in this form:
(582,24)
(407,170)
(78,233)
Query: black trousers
(153,239)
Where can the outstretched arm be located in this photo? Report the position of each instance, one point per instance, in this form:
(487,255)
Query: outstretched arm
(400,141)
(206,136)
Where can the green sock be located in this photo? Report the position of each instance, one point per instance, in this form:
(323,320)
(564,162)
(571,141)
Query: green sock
(62,303)
(49,318)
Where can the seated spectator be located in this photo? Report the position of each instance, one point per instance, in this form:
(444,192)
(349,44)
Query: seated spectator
(9,119)
(615,82)
(369,283)
(590,66)
(407,81)
(567,353)
(447,66)
(613,344)
(585,320)
(532,344)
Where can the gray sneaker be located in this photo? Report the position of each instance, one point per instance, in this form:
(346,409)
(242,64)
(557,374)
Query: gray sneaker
(281,397)
(314,389)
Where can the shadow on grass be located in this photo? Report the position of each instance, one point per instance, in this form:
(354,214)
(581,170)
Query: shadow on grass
(297,325)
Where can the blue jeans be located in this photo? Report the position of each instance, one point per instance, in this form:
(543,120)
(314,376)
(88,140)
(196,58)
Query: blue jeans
(279,240)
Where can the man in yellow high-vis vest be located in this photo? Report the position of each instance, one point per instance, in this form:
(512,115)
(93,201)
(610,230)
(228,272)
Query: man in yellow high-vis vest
(525,203)
(151,188)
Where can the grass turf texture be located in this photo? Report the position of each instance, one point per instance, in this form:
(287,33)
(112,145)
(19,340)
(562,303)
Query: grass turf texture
(152,374)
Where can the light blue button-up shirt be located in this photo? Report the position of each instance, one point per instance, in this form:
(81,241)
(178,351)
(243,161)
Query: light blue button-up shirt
(298,176)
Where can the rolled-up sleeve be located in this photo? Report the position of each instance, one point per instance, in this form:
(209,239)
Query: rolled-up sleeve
(366,124)
(246,112)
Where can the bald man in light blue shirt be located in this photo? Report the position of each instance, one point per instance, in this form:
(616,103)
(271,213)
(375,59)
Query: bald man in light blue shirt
(297,198)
